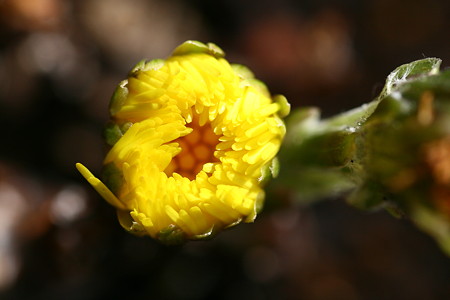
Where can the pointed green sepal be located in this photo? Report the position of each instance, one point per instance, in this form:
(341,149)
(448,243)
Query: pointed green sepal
(190,47)
(112,177)
(118,98)
(172,235)
(127,222)
(113,132)
(145,65)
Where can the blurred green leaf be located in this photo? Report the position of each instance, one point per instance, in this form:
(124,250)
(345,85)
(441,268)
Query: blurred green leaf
(406,72)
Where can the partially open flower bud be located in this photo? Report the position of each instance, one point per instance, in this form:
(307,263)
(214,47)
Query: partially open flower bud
(193,139)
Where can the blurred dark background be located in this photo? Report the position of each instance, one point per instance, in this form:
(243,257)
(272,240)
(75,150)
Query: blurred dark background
(59,63)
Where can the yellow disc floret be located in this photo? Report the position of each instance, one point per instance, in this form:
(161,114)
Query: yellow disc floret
(199,135)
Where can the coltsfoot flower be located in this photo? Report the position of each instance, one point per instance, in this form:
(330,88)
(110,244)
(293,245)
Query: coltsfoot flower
(193,139)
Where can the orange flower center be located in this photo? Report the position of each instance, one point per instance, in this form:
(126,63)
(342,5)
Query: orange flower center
(197,149)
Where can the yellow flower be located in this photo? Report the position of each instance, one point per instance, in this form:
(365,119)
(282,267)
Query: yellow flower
(193,140)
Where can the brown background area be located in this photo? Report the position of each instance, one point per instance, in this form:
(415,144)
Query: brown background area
(59,63)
